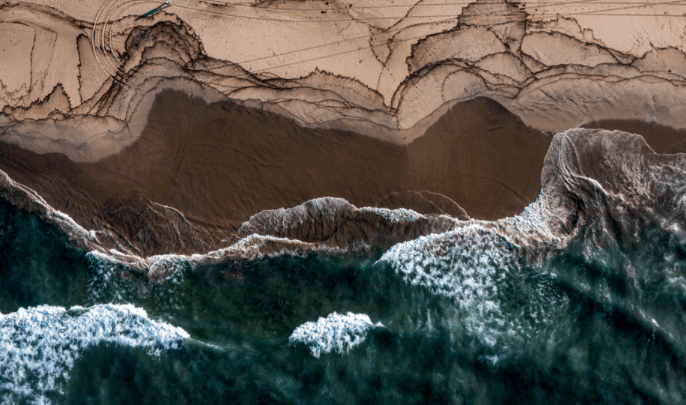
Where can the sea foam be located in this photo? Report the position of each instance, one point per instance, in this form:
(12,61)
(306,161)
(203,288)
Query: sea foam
(480,271)
(38,346)
(466,265)
(337,333)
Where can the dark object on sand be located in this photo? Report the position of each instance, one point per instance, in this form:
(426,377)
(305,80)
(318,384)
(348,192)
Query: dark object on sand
(155,10)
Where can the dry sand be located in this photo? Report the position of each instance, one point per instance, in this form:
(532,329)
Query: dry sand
(553,64)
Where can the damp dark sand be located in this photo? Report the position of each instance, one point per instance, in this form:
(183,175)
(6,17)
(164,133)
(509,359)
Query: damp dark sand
(199,171)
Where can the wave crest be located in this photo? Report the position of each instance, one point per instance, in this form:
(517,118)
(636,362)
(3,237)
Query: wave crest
(40,345)
(335,333)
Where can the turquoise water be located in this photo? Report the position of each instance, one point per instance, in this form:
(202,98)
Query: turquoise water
(455,318)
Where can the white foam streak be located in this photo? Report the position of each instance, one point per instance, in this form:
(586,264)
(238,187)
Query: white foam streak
(335,333)
(680,195)
(396,215)
(63,220)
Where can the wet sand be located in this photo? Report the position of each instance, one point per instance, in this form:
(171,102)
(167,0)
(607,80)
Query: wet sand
(200,170)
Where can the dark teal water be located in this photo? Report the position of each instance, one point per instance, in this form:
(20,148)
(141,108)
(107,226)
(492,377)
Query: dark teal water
(466,320)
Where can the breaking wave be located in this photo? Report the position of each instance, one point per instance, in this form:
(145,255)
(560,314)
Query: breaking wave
(335,333)
(579,299)
(41,344)
(494,296)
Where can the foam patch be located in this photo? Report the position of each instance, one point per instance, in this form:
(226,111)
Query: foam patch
(335,333)
(40,345)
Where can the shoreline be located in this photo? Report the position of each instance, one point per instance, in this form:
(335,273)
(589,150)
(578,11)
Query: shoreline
(220,163)
(199,184)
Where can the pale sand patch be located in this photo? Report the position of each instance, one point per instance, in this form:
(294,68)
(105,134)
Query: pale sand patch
(87,138)
(16,41)
(472,44)
(91,76)
(636,27)
(54,57)
(557,49)
(574,101)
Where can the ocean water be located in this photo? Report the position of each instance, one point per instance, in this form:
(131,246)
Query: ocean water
(461,317)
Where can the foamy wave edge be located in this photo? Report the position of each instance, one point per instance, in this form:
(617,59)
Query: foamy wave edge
(40,345)
(335,227)
(336,333)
